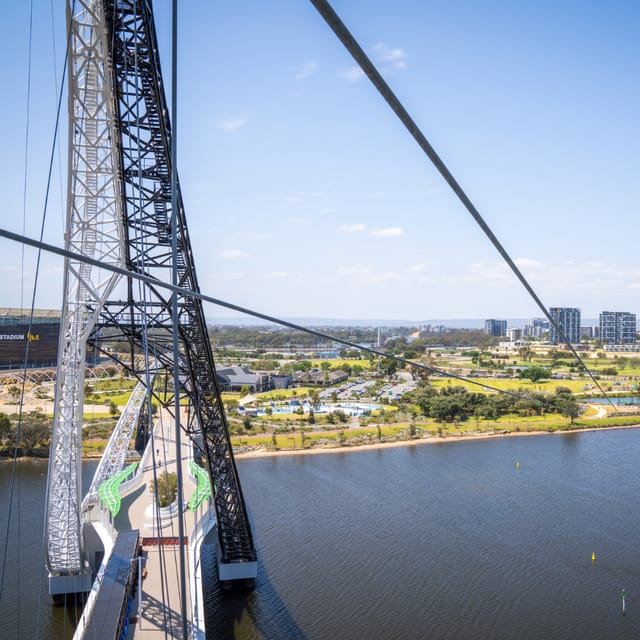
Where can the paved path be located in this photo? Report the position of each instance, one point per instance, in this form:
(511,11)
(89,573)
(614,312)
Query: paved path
(162,564)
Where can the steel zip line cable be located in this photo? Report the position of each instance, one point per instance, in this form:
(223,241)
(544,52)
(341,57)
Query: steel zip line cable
(16,237)
(350,43)
(174,307)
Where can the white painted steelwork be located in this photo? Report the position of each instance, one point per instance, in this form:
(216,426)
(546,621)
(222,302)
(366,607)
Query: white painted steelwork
(115,453)
(94,228)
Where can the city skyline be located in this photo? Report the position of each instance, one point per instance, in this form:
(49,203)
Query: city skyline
(304,195)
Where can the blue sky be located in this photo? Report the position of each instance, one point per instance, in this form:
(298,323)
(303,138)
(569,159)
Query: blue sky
(306,197)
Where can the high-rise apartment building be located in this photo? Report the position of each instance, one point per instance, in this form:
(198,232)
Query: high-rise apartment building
(568,319)
(496,328)
(617,327)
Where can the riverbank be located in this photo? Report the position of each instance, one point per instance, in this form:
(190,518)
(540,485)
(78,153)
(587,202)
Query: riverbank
(266,453)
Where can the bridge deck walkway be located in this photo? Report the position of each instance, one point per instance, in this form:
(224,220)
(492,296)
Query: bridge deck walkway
(160,606)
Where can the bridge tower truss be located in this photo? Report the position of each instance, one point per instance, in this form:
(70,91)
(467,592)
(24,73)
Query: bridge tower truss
(94,227)
(135,314)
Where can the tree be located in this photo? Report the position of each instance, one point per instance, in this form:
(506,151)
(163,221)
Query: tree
(561,390)
(231,404)
(167,489)
(389,366)
(113,408)
(34,434)
(14,392)
(5,427)
(569,408)
(525,352)
(314,397)
(535,374)
(447,408)
(422,396)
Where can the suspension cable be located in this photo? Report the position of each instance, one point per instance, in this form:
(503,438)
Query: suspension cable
(358,54)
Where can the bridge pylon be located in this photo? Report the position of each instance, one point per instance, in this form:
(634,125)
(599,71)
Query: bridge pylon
(119,211)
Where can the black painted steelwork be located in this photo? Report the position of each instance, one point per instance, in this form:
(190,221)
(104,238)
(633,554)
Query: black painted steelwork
(143,320)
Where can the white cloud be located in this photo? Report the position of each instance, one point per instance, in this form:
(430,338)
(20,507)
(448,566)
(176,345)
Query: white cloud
(352,228)
(275,274)
(396,58)
(352,74)
(416,268)
(528,263)
(390,232)
(231,254)
(305,70)
(388,58)
(231,125)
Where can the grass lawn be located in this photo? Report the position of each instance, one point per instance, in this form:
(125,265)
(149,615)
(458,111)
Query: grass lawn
(511,384)
(511,423)
(286,394)
(338,363)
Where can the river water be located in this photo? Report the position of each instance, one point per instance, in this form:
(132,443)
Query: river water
(452,540)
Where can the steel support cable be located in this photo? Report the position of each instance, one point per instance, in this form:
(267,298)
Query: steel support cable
(26,153)
(174,307)
(26,356)
(142,293)
(344,35)
(33,301)
(10,235)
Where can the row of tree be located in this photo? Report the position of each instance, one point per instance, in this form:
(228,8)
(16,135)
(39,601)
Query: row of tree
(456,404)
(34,436)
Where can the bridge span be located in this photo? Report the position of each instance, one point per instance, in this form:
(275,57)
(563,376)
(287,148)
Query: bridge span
(151,607)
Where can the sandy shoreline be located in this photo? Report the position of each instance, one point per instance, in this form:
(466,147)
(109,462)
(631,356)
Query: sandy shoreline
(263,453)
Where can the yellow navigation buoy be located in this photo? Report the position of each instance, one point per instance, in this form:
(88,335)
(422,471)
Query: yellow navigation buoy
(517,465)
(593,557)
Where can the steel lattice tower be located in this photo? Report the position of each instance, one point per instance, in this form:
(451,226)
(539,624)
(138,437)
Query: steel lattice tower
(119,211)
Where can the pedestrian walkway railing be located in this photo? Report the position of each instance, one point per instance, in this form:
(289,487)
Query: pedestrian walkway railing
(203,486)
(109,490)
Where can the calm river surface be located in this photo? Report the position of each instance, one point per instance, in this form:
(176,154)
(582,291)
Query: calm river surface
(452,540)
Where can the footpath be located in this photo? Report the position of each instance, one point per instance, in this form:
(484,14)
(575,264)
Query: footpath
(160,607)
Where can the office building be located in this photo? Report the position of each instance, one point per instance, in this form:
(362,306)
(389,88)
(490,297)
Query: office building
(568,319)
(495,328)
(617,327)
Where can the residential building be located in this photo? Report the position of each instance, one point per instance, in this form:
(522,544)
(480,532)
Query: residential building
(588,332)
(495,328)
(319,377)
(617,327)
(514,334)
(568,319)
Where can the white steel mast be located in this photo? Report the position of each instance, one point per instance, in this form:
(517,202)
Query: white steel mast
(94,228)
